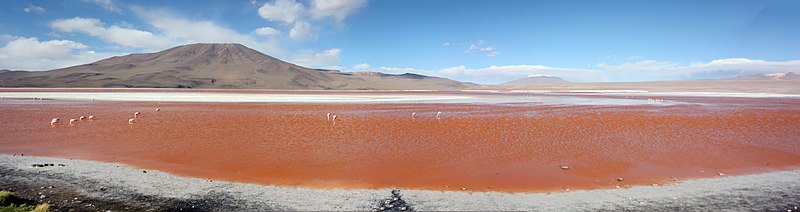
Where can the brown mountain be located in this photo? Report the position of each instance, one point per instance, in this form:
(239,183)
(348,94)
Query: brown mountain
(789,76)
(214,66)
(536,79)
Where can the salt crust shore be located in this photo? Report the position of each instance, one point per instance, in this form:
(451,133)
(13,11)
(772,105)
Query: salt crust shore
(129,185)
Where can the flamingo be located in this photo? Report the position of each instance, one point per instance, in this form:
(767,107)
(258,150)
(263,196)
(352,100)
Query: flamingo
(438,114)
(158,109)
(73,121)
(329,116)
(333,118)
(130,121)
(136,114)
(55,121)
(82,118)
(91,118)
(413,115)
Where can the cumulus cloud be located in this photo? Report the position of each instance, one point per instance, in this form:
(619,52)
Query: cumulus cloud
(721,68)
(362,66)
(327,58)
(302,19)
(106,4)
(113,34)
(287,11)
(267,31)
(482,48)
(302,30)
(34,9)
(31,54)
(338,9)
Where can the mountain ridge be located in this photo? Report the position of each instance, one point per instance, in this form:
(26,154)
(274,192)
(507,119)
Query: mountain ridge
(790,76)
(537,79)
(215,65)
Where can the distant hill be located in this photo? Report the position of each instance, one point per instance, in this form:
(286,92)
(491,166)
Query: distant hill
(789,76)
(537,79)
(215,66)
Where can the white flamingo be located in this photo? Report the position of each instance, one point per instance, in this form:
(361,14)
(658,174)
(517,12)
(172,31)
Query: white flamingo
(333,118)
(329,116)
(130,121)
(136,114)
(73,121)
(91,118)
(82,118)
(413,115)
(438,114)
(158,109)
(55,121)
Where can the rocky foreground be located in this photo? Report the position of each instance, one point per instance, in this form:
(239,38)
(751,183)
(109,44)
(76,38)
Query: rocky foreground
(77,185)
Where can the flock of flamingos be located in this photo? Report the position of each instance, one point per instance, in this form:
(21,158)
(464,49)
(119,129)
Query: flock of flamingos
(331,117)
(57,121)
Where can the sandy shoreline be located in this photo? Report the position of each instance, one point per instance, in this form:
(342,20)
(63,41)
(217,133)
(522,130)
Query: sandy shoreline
(121,186)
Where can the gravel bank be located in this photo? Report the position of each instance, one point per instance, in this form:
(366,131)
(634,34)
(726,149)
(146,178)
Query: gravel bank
(97,186)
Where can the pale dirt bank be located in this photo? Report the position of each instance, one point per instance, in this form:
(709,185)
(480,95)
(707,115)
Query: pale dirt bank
(102,186)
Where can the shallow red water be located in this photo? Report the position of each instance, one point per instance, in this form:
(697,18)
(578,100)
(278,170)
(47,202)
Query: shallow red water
(499,147)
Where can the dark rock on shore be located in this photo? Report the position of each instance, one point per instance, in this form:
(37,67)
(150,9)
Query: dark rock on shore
(394,202)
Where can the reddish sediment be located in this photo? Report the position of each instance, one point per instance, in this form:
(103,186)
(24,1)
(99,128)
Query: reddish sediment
(480,147)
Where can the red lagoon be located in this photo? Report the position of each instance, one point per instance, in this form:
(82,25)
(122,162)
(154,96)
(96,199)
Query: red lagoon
(478,147)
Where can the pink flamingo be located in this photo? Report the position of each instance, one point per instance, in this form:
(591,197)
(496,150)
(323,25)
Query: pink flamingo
(136,114)
(82,118)
(55,121)
(73,121)
(130,121)
(91,118)
(329,116)
(438,114)
(413,115)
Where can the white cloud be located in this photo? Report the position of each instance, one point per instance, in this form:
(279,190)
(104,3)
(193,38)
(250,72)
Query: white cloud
(287,11)
(395,70)
(721,68)
(7,38)
(34,9)
(302,30)
(313,59)
(446,44)
(114,34)
(480,47)
(338,9)
(362,66)
(302,19)
(31,54)
(267,31)
(106,4)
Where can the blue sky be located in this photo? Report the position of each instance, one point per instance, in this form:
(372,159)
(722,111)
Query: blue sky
(468,40)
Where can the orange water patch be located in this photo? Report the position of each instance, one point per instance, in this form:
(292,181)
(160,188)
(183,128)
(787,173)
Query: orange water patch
(475,146)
